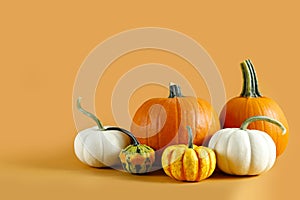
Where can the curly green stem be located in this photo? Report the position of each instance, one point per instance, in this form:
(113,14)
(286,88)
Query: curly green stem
(264,118)
(100,126)
(134,140)
(90,115)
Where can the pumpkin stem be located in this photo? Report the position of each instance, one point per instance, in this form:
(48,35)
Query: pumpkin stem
(250,86)
(133,139)
(190,141)
(90,115)
(264,118)
(100,126)
(175,90)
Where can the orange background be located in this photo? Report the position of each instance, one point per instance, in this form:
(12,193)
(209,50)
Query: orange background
(42,46)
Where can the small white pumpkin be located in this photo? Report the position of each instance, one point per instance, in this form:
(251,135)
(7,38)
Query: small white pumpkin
(97,146)
(245,152)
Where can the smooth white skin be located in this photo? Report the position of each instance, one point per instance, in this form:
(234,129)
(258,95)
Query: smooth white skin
(100,148)
(243,152)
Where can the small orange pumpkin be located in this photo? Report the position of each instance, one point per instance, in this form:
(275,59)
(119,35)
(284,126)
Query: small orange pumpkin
(161,122)
(252,103)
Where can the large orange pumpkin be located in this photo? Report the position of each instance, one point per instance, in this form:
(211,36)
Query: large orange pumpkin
(161,122)
(252,103)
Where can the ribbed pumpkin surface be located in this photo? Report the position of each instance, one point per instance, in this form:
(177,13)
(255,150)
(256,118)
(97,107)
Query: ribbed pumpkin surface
(188,164)
(252,103)
(161,122)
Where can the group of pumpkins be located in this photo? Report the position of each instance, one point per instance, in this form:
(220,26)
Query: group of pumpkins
(183,135)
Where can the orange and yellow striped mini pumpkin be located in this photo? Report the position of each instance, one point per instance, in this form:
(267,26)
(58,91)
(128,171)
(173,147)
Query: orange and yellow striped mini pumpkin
(188,162)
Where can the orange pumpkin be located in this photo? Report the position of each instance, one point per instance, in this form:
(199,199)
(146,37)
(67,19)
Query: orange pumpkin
(161,122)
(252,103)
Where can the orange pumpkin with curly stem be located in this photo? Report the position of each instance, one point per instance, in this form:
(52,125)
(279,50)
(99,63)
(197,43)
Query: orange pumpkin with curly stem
(161,122)
(252,103)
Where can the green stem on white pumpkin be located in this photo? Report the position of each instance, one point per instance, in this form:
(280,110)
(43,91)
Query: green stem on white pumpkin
(90,115)
(100,126)
(264,118)
(190,140)
(250,86)
(175,90)
(134,140)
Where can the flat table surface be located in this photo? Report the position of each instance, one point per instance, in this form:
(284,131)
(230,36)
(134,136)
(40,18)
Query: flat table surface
(64,177)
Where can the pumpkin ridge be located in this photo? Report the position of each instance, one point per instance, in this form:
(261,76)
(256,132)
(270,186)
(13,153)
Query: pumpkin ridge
(269,164)
(81,157)
(140,121)
(251,152)
(148,119)
(275,137)
(212,157)
(260,113)
(197,118)
(86,147)
(195,107)
(161,103)
(147,124)
(177,125)
(246,114)
(249,110)
(169,166)
(252,113)
(281,142)
(87,150)
(183,173)
(181,135)
(215,140)
(146,139)
(170,139)
(227,144)
(102,156)
(176,157)
(205,121)
(266,128)
(198,178)
(207,158)
(177,112)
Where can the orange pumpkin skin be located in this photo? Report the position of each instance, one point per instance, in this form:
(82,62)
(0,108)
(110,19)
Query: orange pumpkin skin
(252,103)
(161,122)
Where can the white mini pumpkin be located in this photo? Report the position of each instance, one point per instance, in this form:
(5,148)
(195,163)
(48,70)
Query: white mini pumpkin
(97,146)
(244,152)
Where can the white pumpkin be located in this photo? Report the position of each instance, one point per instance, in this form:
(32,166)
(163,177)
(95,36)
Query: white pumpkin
(97,146)
(244,152)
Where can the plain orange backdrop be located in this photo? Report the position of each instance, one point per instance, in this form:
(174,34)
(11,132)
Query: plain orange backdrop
(43,44)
